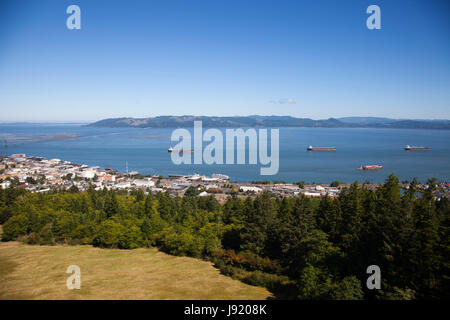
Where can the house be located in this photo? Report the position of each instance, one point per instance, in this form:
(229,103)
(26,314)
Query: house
(312,194)
(250,188)
(89,174)
(143,183)
(18,155)
(5,184)
(54,161)
(122,185)
(108,178)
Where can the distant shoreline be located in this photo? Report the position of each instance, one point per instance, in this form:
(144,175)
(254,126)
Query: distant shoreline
(269,122)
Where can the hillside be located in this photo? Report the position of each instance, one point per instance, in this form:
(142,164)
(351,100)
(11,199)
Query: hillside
(38,272)
(269,121)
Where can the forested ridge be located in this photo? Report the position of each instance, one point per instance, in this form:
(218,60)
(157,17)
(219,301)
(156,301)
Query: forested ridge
(296,247)
(268,122)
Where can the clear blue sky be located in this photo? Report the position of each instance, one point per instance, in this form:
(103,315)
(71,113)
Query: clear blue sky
(311,59)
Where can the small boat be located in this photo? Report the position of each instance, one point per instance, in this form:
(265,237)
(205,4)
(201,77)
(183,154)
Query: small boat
(415,148)
(311,148)
(170,149)
(371,167)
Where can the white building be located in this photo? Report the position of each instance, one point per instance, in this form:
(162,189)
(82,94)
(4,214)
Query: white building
(89,174)
(250,188)
(5,184)
(122,185)
(220,176)
(312,194)
(54,161)
(144,183)
(194,177)
(207,179)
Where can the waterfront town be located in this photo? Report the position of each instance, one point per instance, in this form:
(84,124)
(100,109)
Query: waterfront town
(37,174)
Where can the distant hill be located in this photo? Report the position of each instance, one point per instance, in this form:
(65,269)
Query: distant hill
(366,120)
(269,121)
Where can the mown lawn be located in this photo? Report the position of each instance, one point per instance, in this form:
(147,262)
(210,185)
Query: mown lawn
(39,272)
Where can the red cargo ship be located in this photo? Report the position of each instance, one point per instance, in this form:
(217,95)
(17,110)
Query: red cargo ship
(372,167)
(414,148)
(311,148)
(179,151)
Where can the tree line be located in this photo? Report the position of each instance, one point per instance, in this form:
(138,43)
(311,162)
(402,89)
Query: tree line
(296,247)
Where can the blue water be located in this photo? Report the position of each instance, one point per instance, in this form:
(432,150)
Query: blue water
(145,150)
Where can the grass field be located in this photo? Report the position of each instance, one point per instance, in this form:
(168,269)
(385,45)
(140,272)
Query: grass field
(39,272)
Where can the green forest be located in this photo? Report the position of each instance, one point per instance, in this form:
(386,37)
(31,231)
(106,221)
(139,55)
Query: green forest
(298,248)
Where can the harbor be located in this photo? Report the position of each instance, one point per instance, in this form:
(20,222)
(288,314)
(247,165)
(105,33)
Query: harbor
(37,174)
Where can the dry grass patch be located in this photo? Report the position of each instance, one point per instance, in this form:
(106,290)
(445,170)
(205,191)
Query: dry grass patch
(38,272)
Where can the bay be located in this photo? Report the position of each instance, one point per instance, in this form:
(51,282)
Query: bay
(145,151)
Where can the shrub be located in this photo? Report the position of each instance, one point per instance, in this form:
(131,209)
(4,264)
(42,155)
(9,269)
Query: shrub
(130,238)
(335,184)
(248,261)
(15,227)
(181,243)
(46,235)
(108,234)
(5,214)
(348,289)
(255,278)
(32,238)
